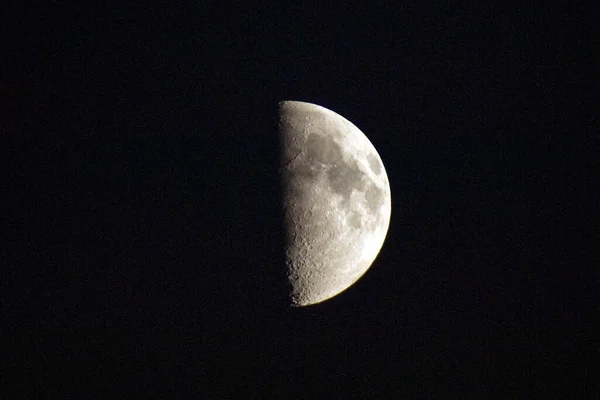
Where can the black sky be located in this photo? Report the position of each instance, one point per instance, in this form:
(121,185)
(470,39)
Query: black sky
(142,216)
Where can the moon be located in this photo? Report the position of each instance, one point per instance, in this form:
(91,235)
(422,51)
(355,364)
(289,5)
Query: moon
(336,200)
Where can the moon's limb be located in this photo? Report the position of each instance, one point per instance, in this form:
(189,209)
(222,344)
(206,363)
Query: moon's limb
(336,199)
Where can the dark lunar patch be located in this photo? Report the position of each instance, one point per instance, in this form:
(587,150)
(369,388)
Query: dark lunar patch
(293,191)
(297,179)
(374,197)
(374,163)
(355,220)
(304,171)
(323,148)
(344,178)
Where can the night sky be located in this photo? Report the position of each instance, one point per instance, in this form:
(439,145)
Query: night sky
(143,215)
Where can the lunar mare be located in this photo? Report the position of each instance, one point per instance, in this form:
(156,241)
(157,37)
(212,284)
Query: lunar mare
(336,200)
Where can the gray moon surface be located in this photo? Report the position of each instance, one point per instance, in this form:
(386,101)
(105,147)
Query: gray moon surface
(336,199)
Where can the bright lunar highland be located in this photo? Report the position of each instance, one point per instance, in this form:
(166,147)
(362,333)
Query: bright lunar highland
(336,200)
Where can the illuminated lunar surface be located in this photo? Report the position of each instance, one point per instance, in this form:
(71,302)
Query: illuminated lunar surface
(336,200)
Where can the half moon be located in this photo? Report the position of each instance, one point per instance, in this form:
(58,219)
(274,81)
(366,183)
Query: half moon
(336,199)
